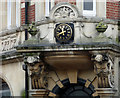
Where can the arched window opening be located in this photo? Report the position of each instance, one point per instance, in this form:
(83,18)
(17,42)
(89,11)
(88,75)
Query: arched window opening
(4,88)
(74,90)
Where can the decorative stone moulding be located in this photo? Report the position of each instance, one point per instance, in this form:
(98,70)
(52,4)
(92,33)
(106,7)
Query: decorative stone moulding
(64,11)
(106,92)
(9,42)
(33,30)
(101,27)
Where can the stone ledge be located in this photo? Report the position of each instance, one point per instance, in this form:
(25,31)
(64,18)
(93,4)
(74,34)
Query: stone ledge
(10,31)
(47,20)
(58,47)
(38,93)
(108,92)
(10,55)
(79,46)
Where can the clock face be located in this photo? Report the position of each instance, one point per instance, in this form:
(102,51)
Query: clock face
(64,33)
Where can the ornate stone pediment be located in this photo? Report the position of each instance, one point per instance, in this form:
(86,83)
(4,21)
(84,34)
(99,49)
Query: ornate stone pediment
(64,10)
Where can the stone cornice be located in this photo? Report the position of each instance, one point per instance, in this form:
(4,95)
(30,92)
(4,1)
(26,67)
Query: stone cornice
(10,31)
(70,47)
(10,55)
(103,46)
(79,19)
(47,20)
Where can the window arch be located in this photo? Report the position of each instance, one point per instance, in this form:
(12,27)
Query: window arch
(4,89)
(71,90)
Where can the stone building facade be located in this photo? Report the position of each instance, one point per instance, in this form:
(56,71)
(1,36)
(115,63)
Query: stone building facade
(72,48)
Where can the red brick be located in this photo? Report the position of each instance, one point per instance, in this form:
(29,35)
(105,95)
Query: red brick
(112,9)
(31,14)
(22,1)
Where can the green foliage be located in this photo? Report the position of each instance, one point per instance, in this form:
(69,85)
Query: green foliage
(102,25)
(117,40)
(23,94)
(33,29)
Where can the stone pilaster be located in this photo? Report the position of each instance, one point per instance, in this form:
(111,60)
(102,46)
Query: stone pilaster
(51,33)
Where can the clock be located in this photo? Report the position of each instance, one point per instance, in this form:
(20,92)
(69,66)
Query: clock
(64,33)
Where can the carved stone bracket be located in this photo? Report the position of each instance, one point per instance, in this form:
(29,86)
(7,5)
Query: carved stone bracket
(37,72)
(104,69)
(38,76)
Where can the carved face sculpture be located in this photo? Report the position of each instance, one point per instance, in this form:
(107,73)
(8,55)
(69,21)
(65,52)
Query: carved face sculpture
(99,58)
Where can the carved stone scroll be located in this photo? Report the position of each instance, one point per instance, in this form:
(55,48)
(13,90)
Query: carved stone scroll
(103,67)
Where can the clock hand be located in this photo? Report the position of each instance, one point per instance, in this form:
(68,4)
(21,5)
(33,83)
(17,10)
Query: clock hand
(61,33)
(63,30)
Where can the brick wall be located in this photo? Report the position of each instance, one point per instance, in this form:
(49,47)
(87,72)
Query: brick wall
(113,9)
(70,1)
(31,13)
(31,10)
